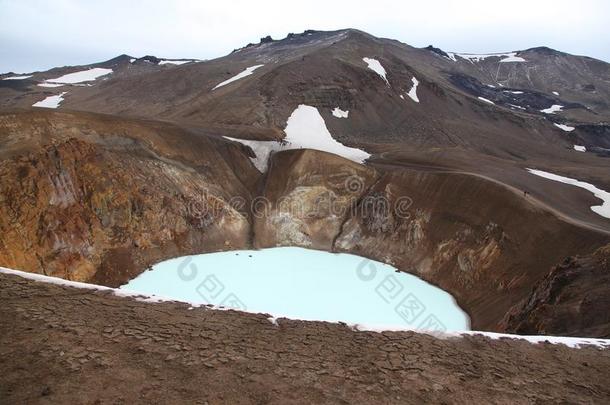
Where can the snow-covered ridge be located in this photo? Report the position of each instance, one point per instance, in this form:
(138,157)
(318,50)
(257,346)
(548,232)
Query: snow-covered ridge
(17,77)
(175,62)
(603,210)
(247,72)
(574,342)
(81,76)
(473,57)
(376,67)
(451,56)
(305,129)
(51,101)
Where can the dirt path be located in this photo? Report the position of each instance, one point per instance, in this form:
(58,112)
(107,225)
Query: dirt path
(530,198)
(65,345)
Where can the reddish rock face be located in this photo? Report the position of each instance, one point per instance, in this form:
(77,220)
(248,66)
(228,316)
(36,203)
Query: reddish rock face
(83,202)
(572,300)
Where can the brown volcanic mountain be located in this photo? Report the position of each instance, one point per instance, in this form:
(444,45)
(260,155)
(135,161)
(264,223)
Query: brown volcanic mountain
(133,169)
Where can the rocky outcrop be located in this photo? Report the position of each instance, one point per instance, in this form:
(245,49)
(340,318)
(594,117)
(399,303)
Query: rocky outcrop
(306,198)
(571,300)
(88,204)
(472,237)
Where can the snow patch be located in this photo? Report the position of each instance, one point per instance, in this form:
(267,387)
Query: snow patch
(50,84)
(51,101)
(564,127)
(262,150)
(513,58)
(339,113)
(305,129)
(603,210)
(413,92)
(552,109)
(81,76)
(17,77)
(573,342)
(247,72)
(555,93)
(376,67)
(486,100)
(580,148)
(507,57)
(175,62)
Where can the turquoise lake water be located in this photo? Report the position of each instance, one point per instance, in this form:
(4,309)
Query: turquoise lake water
(305,284)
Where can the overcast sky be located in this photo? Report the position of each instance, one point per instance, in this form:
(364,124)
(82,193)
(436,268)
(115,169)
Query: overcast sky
(37,34)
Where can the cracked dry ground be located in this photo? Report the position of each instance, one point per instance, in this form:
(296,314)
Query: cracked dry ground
(67,345)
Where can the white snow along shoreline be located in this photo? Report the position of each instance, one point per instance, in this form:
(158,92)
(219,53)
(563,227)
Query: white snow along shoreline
(247,72)
(603,210)
(573,342)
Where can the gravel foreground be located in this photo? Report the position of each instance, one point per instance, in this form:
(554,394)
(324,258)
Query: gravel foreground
(65,345)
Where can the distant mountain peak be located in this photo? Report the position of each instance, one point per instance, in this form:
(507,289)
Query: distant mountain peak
(545,50)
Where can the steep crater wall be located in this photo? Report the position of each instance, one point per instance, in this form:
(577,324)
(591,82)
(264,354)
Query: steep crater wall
(482,242)
(99,199)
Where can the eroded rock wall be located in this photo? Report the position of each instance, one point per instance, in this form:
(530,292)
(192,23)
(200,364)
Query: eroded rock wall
(306,198)
(572,300)
(482,242)
(102,207)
